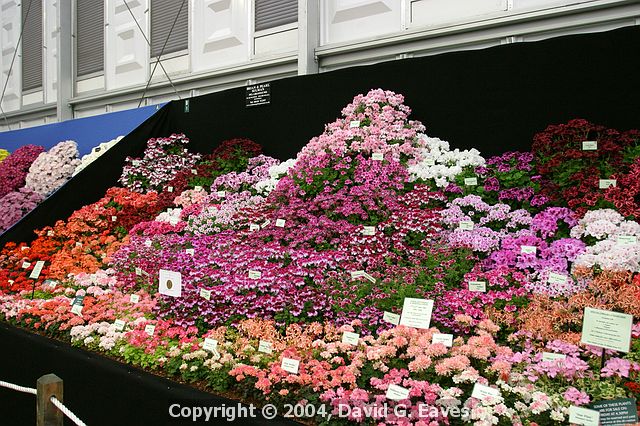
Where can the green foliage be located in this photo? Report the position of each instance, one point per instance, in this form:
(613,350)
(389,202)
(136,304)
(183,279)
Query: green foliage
(40,294)
(138,356)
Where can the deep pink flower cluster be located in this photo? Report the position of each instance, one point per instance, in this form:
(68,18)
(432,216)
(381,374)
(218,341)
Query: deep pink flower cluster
(331,192)
(504,289)
(16,166)
(222,264)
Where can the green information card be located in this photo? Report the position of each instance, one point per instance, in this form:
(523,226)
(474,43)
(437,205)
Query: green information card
(617,411)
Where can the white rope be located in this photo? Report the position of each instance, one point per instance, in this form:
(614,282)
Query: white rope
(53,400)
(67,412)
(18,388)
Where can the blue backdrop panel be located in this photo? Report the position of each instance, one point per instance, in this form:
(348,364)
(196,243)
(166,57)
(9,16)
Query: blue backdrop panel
(87,132)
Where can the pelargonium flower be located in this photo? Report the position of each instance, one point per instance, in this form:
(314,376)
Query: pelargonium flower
(53,168)
(161,161)
(576,396)
(17,204)
(16,166)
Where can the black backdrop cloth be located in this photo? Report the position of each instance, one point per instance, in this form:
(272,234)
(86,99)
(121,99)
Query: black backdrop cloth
(101,392)
(494,100)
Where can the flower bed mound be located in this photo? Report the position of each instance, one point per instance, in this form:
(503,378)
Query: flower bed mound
(293,276)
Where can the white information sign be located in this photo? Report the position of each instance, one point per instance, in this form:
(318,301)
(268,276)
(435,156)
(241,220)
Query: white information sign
(290,365)
(445,339)
(416,313)
(350,338)
(583,416)
(397,393)
(482,392)
(170,283)
(607,329)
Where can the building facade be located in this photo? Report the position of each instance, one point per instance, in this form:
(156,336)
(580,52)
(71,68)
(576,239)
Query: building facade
(63,59)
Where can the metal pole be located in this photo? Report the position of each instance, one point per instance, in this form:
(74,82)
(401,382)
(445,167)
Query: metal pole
(308,36)
(65,60)
(13,60)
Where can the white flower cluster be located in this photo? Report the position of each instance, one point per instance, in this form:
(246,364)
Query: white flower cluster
(618,247)
(171,216)
(103,332)
(264,187)
(53,168)
(95,153)
(440,164)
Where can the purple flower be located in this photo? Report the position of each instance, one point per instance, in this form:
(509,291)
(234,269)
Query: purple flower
(15,205)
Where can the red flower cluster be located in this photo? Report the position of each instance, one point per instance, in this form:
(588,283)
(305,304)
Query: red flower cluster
(235,149)
(571,172)
(84,241)
(626,195)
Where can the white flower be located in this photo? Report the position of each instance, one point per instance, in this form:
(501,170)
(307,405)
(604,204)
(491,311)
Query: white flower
(95,154)
(170,216)
(440,164)
(520,406)
(53,168)
(264,187)
(557,416)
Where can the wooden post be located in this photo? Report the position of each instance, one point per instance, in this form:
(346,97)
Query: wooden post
(47,413)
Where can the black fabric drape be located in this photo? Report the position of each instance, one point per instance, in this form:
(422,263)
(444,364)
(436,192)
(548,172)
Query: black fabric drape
(493,99)
(98,390)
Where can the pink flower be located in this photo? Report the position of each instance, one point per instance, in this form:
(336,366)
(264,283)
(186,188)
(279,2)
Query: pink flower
(576,397)
(619,367)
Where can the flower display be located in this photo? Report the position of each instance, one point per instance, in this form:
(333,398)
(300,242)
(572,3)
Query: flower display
(297,277)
